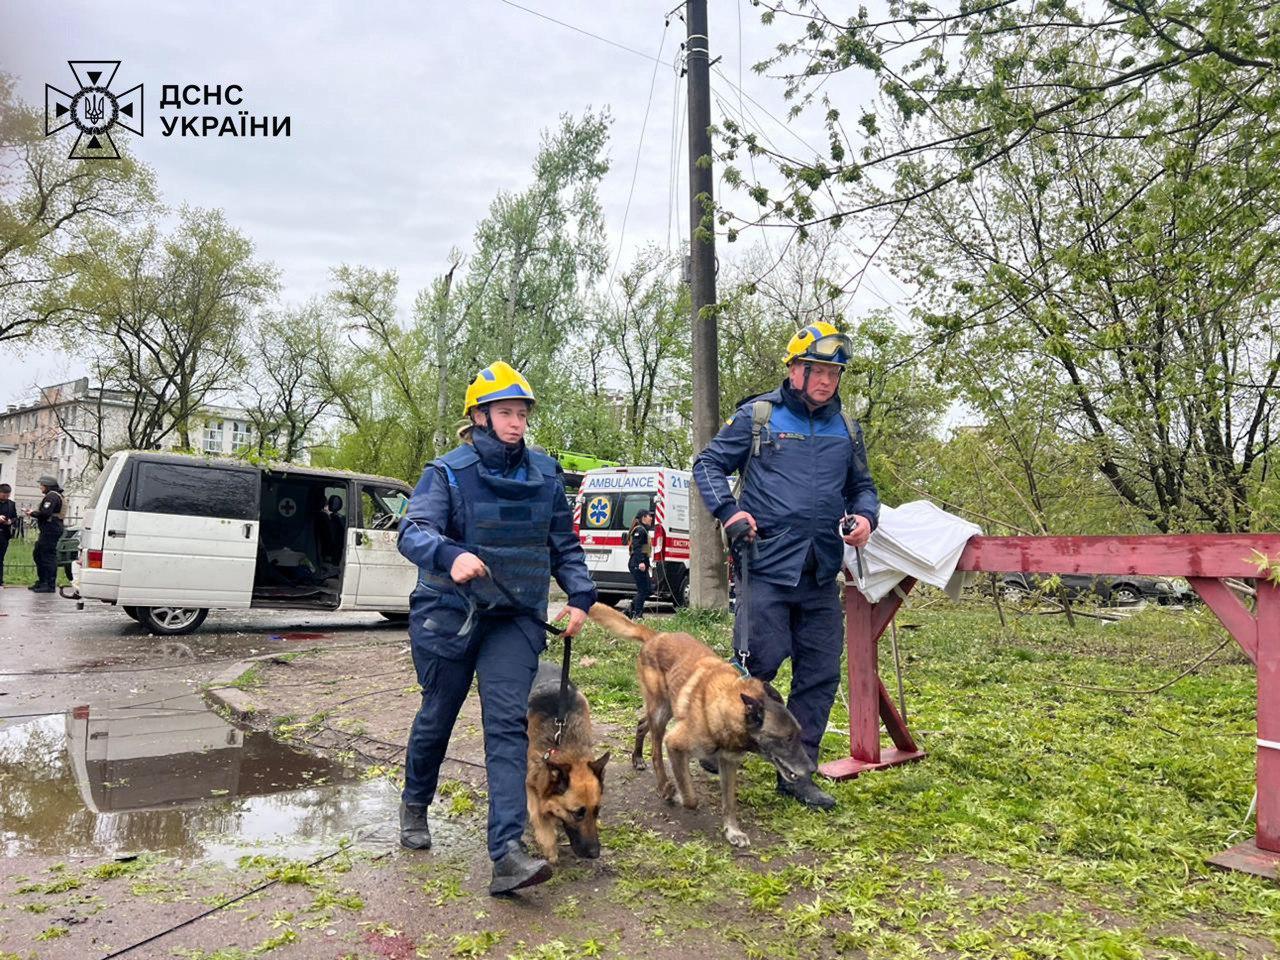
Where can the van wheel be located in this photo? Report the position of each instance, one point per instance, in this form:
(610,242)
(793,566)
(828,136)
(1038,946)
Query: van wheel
(170,621)
(134,613)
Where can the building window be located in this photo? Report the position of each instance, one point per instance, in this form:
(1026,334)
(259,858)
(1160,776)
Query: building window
(239,435)
(213,436)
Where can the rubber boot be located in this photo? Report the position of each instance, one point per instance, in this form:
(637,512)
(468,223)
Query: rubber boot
(516,869)
(807,792)
(415,833)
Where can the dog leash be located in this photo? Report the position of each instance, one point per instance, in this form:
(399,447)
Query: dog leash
(562,706)
(523,608)
(562,703)
(743,549)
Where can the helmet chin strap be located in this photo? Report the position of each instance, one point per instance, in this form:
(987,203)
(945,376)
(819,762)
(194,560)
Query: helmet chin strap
(804,387)
(487,427)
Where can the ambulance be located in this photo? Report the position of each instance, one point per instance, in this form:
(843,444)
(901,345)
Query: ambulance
(607,503)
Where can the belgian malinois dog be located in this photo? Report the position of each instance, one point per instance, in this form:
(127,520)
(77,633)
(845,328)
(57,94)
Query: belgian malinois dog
(718,715)
(564,785)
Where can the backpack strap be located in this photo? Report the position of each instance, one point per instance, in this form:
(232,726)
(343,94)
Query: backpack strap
(859,448)
(761,411)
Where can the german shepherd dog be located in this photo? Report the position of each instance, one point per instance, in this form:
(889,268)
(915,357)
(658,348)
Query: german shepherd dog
(563,784)
(718,715)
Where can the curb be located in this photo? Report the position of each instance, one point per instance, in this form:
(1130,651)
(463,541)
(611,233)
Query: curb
(237,702)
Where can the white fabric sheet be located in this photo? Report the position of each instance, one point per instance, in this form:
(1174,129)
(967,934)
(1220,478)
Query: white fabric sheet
(917,539)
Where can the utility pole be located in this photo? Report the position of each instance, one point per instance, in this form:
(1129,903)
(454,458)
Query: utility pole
(707,587)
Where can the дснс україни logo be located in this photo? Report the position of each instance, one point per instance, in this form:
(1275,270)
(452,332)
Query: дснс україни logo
(94,110)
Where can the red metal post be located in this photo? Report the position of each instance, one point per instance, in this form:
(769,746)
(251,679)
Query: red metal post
(868,699)
(1268,616)
(1261,855)
(1232,614)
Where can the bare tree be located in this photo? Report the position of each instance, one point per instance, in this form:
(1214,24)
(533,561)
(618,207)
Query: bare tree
(289,393)
(647,338)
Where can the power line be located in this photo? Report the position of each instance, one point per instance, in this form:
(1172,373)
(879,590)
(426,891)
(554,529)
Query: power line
(635,172)
(751,158)
(673,154)
(785,126)
(585,33)
(679,168)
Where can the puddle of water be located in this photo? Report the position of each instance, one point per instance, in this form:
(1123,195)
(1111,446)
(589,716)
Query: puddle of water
(166,774)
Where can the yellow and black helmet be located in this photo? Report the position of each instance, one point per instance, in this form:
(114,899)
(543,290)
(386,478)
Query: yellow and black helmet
(498,381)
(819,342)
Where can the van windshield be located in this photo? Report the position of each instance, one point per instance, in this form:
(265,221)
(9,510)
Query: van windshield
(382,507)
(613,511)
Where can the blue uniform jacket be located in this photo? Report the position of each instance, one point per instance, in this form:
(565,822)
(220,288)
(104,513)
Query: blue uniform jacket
(807,476)
(433,534)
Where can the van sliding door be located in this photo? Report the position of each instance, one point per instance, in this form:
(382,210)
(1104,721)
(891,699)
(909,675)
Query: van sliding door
(190,535)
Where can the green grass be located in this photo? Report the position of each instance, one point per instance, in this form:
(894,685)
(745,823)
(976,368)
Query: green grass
(19,567)
(1046,820)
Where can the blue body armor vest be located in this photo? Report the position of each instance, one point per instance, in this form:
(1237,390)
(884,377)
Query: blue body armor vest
(506,523)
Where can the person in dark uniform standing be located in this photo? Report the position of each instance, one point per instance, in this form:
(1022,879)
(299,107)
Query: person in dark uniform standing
(806,483)
(8,524)
(48,517)
(488,526)
(640,560)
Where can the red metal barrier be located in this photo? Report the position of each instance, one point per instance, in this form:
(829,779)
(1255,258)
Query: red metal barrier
(1205,560)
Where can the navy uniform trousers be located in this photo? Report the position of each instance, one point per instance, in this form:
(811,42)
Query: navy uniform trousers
(501,655)
(804,623)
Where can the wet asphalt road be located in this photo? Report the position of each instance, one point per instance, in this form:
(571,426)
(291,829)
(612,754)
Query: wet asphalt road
(54,657)
(149,765)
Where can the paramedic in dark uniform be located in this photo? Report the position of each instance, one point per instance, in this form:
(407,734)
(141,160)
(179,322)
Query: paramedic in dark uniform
(8,524)
(640,560)
(48,516)
(811,473)
(490,512)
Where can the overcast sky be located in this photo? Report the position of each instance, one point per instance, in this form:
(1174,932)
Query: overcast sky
(407,118)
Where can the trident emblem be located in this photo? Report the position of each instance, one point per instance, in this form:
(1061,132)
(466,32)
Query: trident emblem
(95,108)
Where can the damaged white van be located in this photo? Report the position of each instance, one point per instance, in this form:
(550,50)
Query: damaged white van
(168,537)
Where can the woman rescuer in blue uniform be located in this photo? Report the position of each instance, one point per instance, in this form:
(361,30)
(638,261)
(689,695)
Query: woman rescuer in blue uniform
(488,526)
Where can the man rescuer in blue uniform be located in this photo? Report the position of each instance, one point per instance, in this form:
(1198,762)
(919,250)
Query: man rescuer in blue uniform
(807,488)
(487,517)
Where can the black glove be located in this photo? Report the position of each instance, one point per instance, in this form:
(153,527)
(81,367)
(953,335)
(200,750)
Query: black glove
(739,532)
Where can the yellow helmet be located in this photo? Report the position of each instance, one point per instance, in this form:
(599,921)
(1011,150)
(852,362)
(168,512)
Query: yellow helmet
(819,342)
(498,381)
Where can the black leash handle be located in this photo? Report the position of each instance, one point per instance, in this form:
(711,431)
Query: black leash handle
(558,631)
(743,550)
(562,703)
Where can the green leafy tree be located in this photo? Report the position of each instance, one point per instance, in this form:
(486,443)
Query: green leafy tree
(162,321)
(49,207)
(1021,70)
(1145,327)
(523,296)
(535,253)
(383,376)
